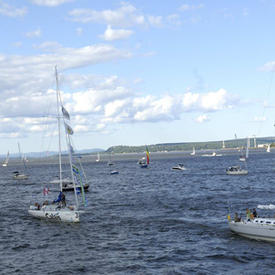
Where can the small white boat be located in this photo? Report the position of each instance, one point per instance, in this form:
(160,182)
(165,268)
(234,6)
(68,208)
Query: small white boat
(18,176)
(193,152)
(180,166)
(114,172)
(242,158)
(98,158)
(236,170)
(5,163)
(268,148)
(214,154)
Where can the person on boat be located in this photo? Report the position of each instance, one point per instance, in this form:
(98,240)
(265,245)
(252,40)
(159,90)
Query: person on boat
(248,214)
(37,205)
(61,199)
(236,218)
(255,214)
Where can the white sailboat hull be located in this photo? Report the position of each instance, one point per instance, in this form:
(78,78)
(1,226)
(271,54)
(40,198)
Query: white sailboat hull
(21,177)
(255,230)
(4,164)
(53,214)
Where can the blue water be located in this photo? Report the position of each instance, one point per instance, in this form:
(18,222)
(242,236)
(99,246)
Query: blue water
(141,221)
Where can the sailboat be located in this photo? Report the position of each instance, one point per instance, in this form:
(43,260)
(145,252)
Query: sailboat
(110,163)
(193,152)
(98,157)
(5,163)
(245,157)
(59,211)
(144,162)
(268,148)
(253,226)
(16,174)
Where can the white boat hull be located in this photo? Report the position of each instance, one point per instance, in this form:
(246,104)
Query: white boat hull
(21,177)
(51,214)
(255,230)
(243,172)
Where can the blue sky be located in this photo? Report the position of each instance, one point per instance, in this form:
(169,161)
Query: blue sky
(136,72)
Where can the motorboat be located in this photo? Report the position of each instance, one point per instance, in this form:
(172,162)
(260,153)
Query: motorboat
(180,166)
(242,158)
(214,154)
(236,170)
(114,172)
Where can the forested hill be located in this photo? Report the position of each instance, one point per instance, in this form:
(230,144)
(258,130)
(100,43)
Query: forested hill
(188,146)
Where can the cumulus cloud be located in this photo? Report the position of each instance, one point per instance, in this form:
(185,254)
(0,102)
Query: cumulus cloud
(50,3)
(8,10)
(125,16)
(187,7)
(202,118)
(268,67)
(259,118)
(96,103)
(35,33)
(115,34)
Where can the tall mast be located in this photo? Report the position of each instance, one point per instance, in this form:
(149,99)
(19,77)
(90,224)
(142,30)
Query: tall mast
(58,121)
(68,140)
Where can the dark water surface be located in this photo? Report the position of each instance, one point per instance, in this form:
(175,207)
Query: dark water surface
(142,221)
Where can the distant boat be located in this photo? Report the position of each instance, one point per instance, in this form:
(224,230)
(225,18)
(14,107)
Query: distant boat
(193,152)
(236,170)
(180,166)
(114,172)
(5,163)
(98,157)
(214,154)
(18,175)
(110,163)
(144,162)
(68,185)
(245,157)
(268,148)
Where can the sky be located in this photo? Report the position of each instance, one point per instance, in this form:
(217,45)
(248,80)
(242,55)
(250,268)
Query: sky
(136,72)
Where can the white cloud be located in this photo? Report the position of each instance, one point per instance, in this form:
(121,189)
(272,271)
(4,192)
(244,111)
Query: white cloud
(50,3)
(268,67)
(35,33)
(79,31)
(202,118)
(259,118)
(96,103)
(115,34)
(11,11)
(173,19)
(125,16)
(155,20)
(187,7)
